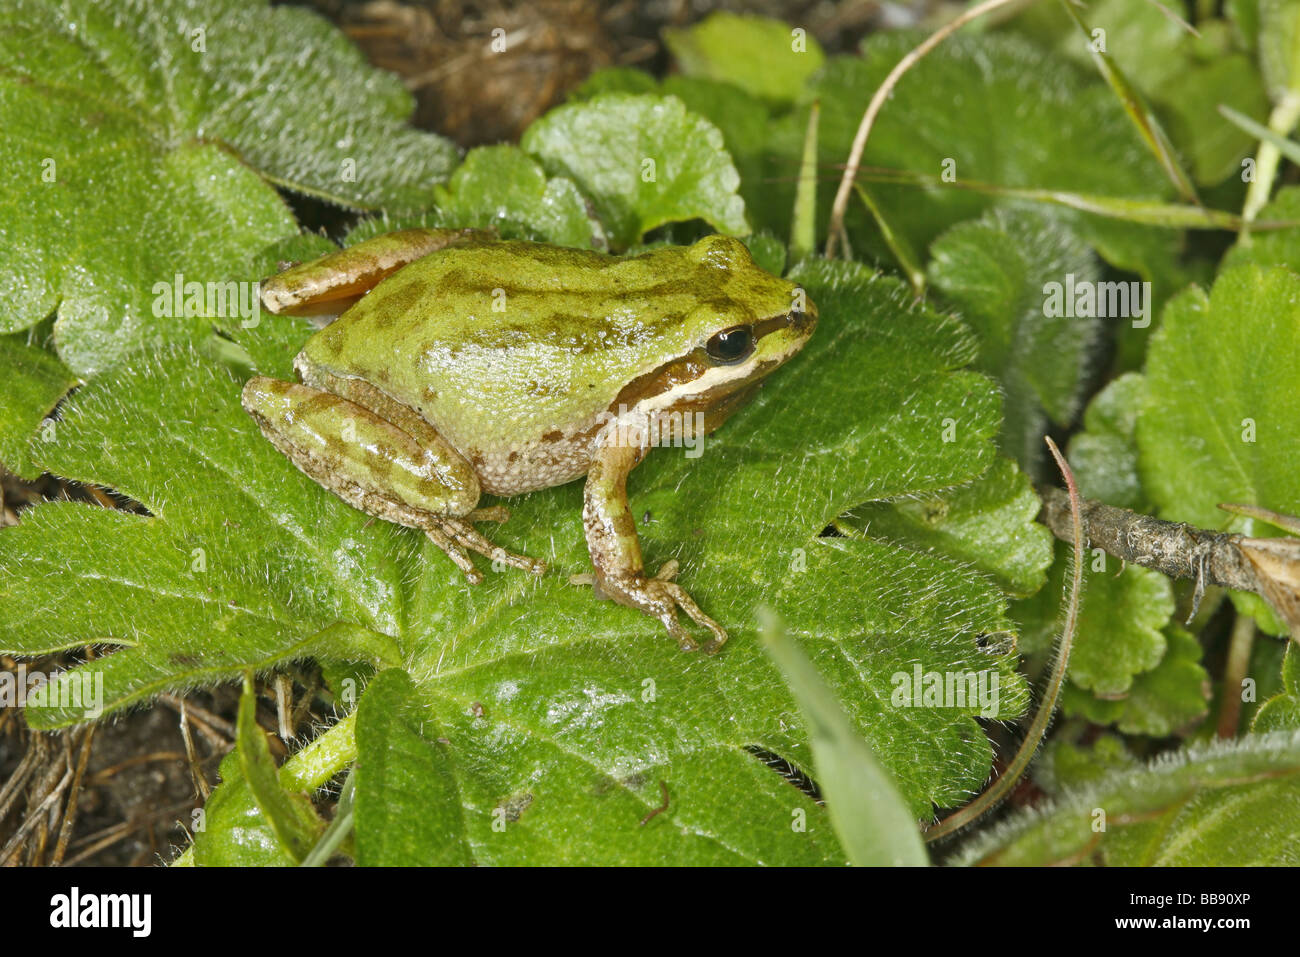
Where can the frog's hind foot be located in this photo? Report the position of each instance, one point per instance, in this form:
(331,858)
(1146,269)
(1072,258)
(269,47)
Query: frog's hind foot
(454,551)
(464,536)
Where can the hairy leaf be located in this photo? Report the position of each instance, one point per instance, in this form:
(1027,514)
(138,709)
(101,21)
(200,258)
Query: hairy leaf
(643,161)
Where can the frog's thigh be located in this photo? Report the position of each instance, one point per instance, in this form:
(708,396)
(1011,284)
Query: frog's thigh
(334,282)
(366,459)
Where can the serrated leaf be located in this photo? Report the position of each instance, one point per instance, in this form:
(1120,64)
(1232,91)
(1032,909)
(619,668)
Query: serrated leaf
(407,810)
(146,124)
(1232,804)
(742,119)
(34,382)
(162,586)
(988,524)
(1104,455)
(1121,617)
(501,187)
(643,161)
(997,271)
(1168,699)
(763,57)
(564,713)
(1237,343)
(869,815)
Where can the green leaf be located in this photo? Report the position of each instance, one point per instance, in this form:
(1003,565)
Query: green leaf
(1169,699)
(643,161)
(1282,711)
(998,272)
(1104,455)
(234,832)
(501,187)
(1279,47)
(292,818)
(1229,804)
(1059,128)
(988,524)
(871,819)
(407,810)
(1148,126)
(742,119)
(1066,766)
(1277,247)
(34,382)
(1184,77)
(563,713)
(1237,344)
(763,57)
(1121,618)
(151,131)
(161,586)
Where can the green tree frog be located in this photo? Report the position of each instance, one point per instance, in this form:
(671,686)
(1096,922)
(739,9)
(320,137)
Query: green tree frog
(466,364)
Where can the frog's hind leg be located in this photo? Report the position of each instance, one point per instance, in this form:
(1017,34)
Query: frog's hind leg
(464,534)
(381,458)
(334,282)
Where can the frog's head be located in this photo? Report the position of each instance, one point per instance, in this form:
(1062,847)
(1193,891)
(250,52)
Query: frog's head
(744,324)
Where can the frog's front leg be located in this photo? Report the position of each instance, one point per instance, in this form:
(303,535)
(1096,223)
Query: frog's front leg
(403,472)
(616,550)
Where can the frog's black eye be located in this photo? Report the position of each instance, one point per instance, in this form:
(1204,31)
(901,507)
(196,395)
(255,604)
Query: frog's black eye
(731,345)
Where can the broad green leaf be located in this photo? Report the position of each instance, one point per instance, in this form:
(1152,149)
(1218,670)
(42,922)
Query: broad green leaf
(1104,455)
(766,58)
(1121,617)
(1231,804)
(1058,127)
(34,382)
(1282,711)
(988,524)
(1218,423)
(872,822)
(162,586)
(291,816)
(151,135)
(742,119)
(643,161)
(999,273)
(1169,699)
(1280,247)
(564,713)
(503,188)
(407,806)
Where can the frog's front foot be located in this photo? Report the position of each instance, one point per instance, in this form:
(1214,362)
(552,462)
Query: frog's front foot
(457,537)
(660,598)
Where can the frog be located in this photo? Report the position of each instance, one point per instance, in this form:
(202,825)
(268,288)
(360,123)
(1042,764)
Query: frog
(462,364)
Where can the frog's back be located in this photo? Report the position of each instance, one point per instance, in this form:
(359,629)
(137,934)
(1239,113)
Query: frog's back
(513,350)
